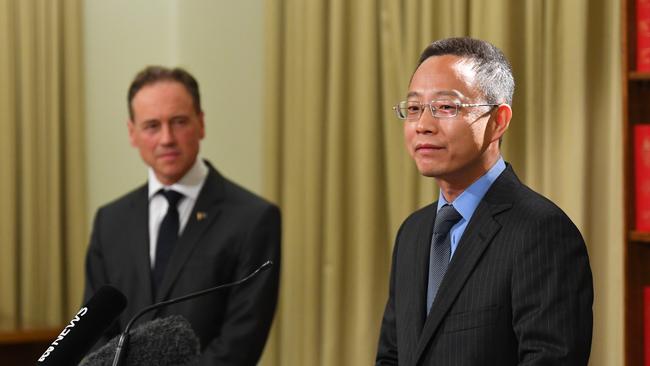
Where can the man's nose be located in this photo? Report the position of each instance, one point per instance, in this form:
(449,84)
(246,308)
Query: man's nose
(167,134)
(426,123)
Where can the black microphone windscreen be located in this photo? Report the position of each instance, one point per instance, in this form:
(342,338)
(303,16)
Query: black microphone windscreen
(160,342)
(81,333)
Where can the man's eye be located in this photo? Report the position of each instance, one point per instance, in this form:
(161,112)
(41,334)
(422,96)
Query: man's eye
(150,126)
(445,106)
(413,109)
(179,121)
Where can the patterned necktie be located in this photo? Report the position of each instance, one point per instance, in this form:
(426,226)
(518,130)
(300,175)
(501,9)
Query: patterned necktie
(440,250)
(167,236)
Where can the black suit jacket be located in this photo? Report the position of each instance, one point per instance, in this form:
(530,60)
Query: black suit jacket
(518,290)
(230,233)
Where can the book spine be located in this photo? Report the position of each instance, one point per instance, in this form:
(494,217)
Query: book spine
(643,35)
(642,176)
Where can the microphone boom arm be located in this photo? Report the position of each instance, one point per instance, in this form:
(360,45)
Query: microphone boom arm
(120,351)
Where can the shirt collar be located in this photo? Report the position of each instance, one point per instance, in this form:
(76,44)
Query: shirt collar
(189,185)
(467,201)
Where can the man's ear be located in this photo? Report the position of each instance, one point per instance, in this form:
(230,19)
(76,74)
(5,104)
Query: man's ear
(131,127)
(503,115)
(201,125)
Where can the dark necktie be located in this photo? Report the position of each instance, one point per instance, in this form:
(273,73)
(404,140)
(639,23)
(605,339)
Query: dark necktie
(440,250)
(167,236)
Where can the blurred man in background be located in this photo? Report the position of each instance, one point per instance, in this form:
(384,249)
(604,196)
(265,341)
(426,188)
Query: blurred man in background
(187,229)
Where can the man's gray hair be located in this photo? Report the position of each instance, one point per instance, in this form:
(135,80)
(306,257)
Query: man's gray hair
(493,71)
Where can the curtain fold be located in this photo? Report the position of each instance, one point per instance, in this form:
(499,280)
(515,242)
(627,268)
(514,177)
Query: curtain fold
(42,162)
(8,229)
(337,166)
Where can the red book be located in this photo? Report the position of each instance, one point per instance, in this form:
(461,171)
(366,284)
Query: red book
(646,325)
(643,35)
(642,176)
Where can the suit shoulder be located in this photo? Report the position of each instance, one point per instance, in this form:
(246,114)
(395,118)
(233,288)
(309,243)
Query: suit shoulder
(534,214)
(125,201)
(537,205)
(236,195)
(417,217)
(526,202)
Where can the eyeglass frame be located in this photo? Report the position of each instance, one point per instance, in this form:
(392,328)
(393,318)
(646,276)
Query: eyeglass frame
(431,108)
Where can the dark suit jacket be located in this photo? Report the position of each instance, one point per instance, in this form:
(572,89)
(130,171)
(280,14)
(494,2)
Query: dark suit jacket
(518,290)
(236,232)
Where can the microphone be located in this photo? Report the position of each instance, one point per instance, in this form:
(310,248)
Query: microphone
(122,344)
(161,342)
(85,328)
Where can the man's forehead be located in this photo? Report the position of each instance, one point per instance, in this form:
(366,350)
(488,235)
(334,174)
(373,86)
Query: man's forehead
(453,93)
(444,76)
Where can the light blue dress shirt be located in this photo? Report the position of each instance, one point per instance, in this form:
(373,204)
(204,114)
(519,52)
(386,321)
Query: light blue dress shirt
(467,201)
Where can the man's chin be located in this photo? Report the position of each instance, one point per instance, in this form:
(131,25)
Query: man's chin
(169,176)
(429,171)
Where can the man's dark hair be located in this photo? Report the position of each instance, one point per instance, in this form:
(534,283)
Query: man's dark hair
(153,74)
(493,71)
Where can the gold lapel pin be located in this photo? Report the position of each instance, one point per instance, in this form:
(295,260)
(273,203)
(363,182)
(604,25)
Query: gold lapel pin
(201,215)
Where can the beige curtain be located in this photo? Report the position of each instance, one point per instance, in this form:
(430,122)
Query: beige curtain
(42,198)
(337,166)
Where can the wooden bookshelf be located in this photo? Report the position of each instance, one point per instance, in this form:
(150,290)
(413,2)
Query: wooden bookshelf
(639,237)
(636,109)
(635,75)
(23,347)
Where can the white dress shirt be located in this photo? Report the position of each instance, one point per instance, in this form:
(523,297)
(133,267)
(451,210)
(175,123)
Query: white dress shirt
(190,186)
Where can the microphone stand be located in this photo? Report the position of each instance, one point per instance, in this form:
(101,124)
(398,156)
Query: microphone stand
(122,344)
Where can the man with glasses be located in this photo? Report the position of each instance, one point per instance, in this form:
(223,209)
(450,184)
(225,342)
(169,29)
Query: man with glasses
(492,273)
(187,229)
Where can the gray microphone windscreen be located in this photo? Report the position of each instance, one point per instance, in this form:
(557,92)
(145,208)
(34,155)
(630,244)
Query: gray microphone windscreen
(166,341)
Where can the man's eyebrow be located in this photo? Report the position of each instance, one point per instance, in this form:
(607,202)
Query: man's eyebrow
(149,120)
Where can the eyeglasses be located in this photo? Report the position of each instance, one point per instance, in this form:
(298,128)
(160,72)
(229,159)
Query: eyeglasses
(411,110)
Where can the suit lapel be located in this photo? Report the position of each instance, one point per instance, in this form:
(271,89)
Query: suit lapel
(139,248)
(475,240)
(420,271)
(205,211)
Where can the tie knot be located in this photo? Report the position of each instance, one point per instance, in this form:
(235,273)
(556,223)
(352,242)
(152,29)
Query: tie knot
(445,219)
(172,197)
